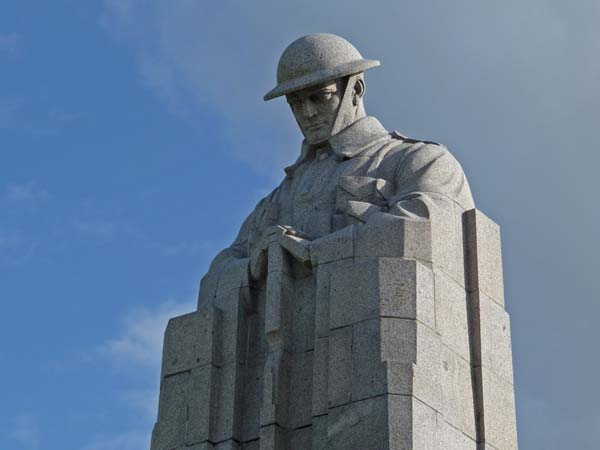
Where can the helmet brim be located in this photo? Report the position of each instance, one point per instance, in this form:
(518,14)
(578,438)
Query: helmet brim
(321,76)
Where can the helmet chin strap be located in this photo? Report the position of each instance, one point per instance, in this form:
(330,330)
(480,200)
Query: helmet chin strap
(346,111)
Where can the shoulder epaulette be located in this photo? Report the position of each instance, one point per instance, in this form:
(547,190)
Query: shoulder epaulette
(397,135)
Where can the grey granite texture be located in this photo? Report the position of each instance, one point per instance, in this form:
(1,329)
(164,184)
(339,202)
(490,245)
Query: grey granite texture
(484,249)
(361,306)
(316,58)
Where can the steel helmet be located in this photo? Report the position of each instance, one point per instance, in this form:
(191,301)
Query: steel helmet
(314,59)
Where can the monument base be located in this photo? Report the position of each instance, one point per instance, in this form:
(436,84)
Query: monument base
(395,338)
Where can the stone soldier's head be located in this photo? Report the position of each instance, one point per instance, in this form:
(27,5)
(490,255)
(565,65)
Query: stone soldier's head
(321,76)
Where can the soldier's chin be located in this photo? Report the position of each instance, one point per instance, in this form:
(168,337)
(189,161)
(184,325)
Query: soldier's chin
(318,138)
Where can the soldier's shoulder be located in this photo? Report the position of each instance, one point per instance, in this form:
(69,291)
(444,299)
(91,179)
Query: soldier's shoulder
(409,140)
(418,153)
(416,148)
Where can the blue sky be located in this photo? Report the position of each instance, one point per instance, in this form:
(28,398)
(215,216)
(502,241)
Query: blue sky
(134,140)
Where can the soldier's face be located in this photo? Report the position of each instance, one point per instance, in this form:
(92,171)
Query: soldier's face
(315,109)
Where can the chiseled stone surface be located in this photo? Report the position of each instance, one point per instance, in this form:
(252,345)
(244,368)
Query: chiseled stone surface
(394,238)
(339,387)
(406,290)
(484,249)
(457,393)
(496,348)
(499,411)
(352,297)
(452,321)
(450,438)
(361,424)
(361,306)
(190,341)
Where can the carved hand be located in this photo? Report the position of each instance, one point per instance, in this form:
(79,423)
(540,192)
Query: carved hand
(294,241)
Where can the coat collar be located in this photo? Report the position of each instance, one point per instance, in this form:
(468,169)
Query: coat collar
(348,143)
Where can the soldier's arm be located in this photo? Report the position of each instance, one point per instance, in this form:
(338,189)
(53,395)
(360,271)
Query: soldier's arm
(428,177)
(416,181)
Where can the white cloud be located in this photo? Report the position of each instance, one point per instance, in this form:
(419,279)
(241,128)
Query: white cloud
(102,223)
(140,342)
(10,43)
(144,401)
(25,193)
(100,229)
(194,64)
(139,345)
(25,114)
(26,430)
(15,249)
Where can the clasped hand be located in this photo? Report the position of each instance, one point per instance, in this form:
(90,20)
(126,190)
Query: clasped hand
(294,241)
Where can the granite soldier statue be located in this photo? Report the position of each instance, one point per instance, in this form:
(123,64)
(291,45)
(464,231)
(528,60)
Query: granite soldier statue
(361,305)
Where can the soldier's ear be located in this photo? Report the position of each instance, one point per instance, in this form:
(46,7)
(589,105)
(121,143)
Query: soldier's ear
(359,91)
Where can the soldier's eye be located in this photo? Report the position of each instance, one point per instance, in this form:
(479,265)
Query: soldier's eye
(322,97)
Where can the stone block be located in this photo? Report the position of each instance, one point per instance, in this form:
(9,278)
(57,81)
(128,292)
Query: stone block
(452,320)
(228,400)
(460,244)
(201,404)
(354,293)
(457,392)
(275,389)
(445,237)
(400,377)
(319,432)
(235,275)
(488,446)
(397,356)
(272,437)
(339,386)
(499,411)
(170,429)
(369,374)
(450,438)
(406,290)
(412,424)
(252,445)
(373,287)
(333,247)
(253,376)
(394,237)
(191,341)
(256,342)
(208,289)
(320,371)
(233,327)
(398,340)
(359,425)
(484,255)
(427,385)
(227,445)
(300,390)
(201,446)
(279,290)
(279,260)
(496,349)
(414,370)
(322,296)
(411,379)
(300,439)
(302,316)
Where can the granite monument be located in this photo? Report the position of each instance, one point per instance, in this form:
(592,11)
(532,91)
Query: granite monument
(361,306)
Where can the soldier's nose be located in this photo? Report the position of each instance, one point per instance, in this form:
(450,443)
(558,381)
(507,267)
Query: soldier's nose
(308,109)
